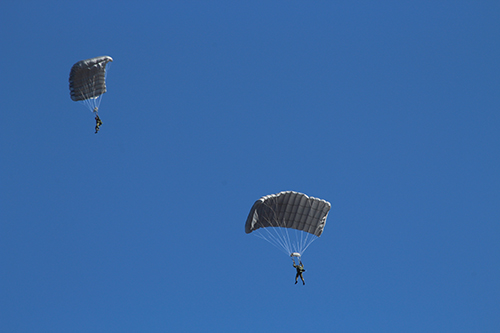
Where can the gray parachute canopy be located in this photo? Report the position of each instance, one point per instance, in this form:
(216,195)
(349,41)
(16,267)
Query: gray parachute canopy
(289,210)
(87,78)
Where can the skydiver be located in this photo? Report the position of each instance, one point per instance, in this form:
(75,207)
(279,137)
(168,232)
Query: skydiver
(98,123)
(300,269)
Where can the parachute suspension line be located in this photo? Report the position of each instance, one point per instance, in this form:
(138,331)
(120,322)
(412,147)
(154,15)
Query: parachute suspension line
(86,97)
(273,241)
(305,242)
(282,232)
(307,238)
(93,103)
(98,100)
(301,240)
(304,236)
(274,236)
(288,240)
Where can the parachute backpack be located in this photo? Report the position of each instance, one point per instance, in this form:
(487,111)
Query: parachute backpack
(87,83)
(289,220)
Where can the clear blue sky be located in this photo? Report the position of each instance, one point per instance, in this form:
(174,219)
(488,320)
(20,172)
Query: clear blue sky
(387,109)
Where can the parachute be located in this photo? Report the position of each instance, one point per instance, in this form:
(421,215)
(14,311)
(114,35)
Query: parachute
(87,81)
(289,220)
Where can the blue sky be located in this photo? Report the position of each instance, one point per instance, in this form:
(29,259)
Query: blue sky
(388,110)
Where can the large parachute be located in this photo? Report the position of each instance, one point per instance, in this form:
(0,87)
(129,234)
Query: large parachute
(289,220)
(87,81)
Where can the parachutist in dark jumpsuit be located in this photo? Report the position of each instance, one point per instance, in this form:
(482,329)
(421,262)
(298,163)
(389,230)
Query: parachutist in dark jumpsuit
(98,123)
(300,269)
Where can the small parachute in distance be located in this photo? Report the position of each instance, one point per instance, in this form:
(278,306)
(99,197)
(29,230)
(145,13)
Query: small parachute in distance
(87,80)
(87,83)
(289,220)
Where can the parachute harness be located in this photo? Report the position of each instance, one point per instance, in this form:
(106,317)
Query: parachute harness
(296,255)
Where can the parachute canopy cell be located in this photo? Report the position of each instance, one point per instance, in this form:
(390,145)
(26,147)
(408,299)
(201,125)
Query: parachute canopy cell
(87,79)
(289,210)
